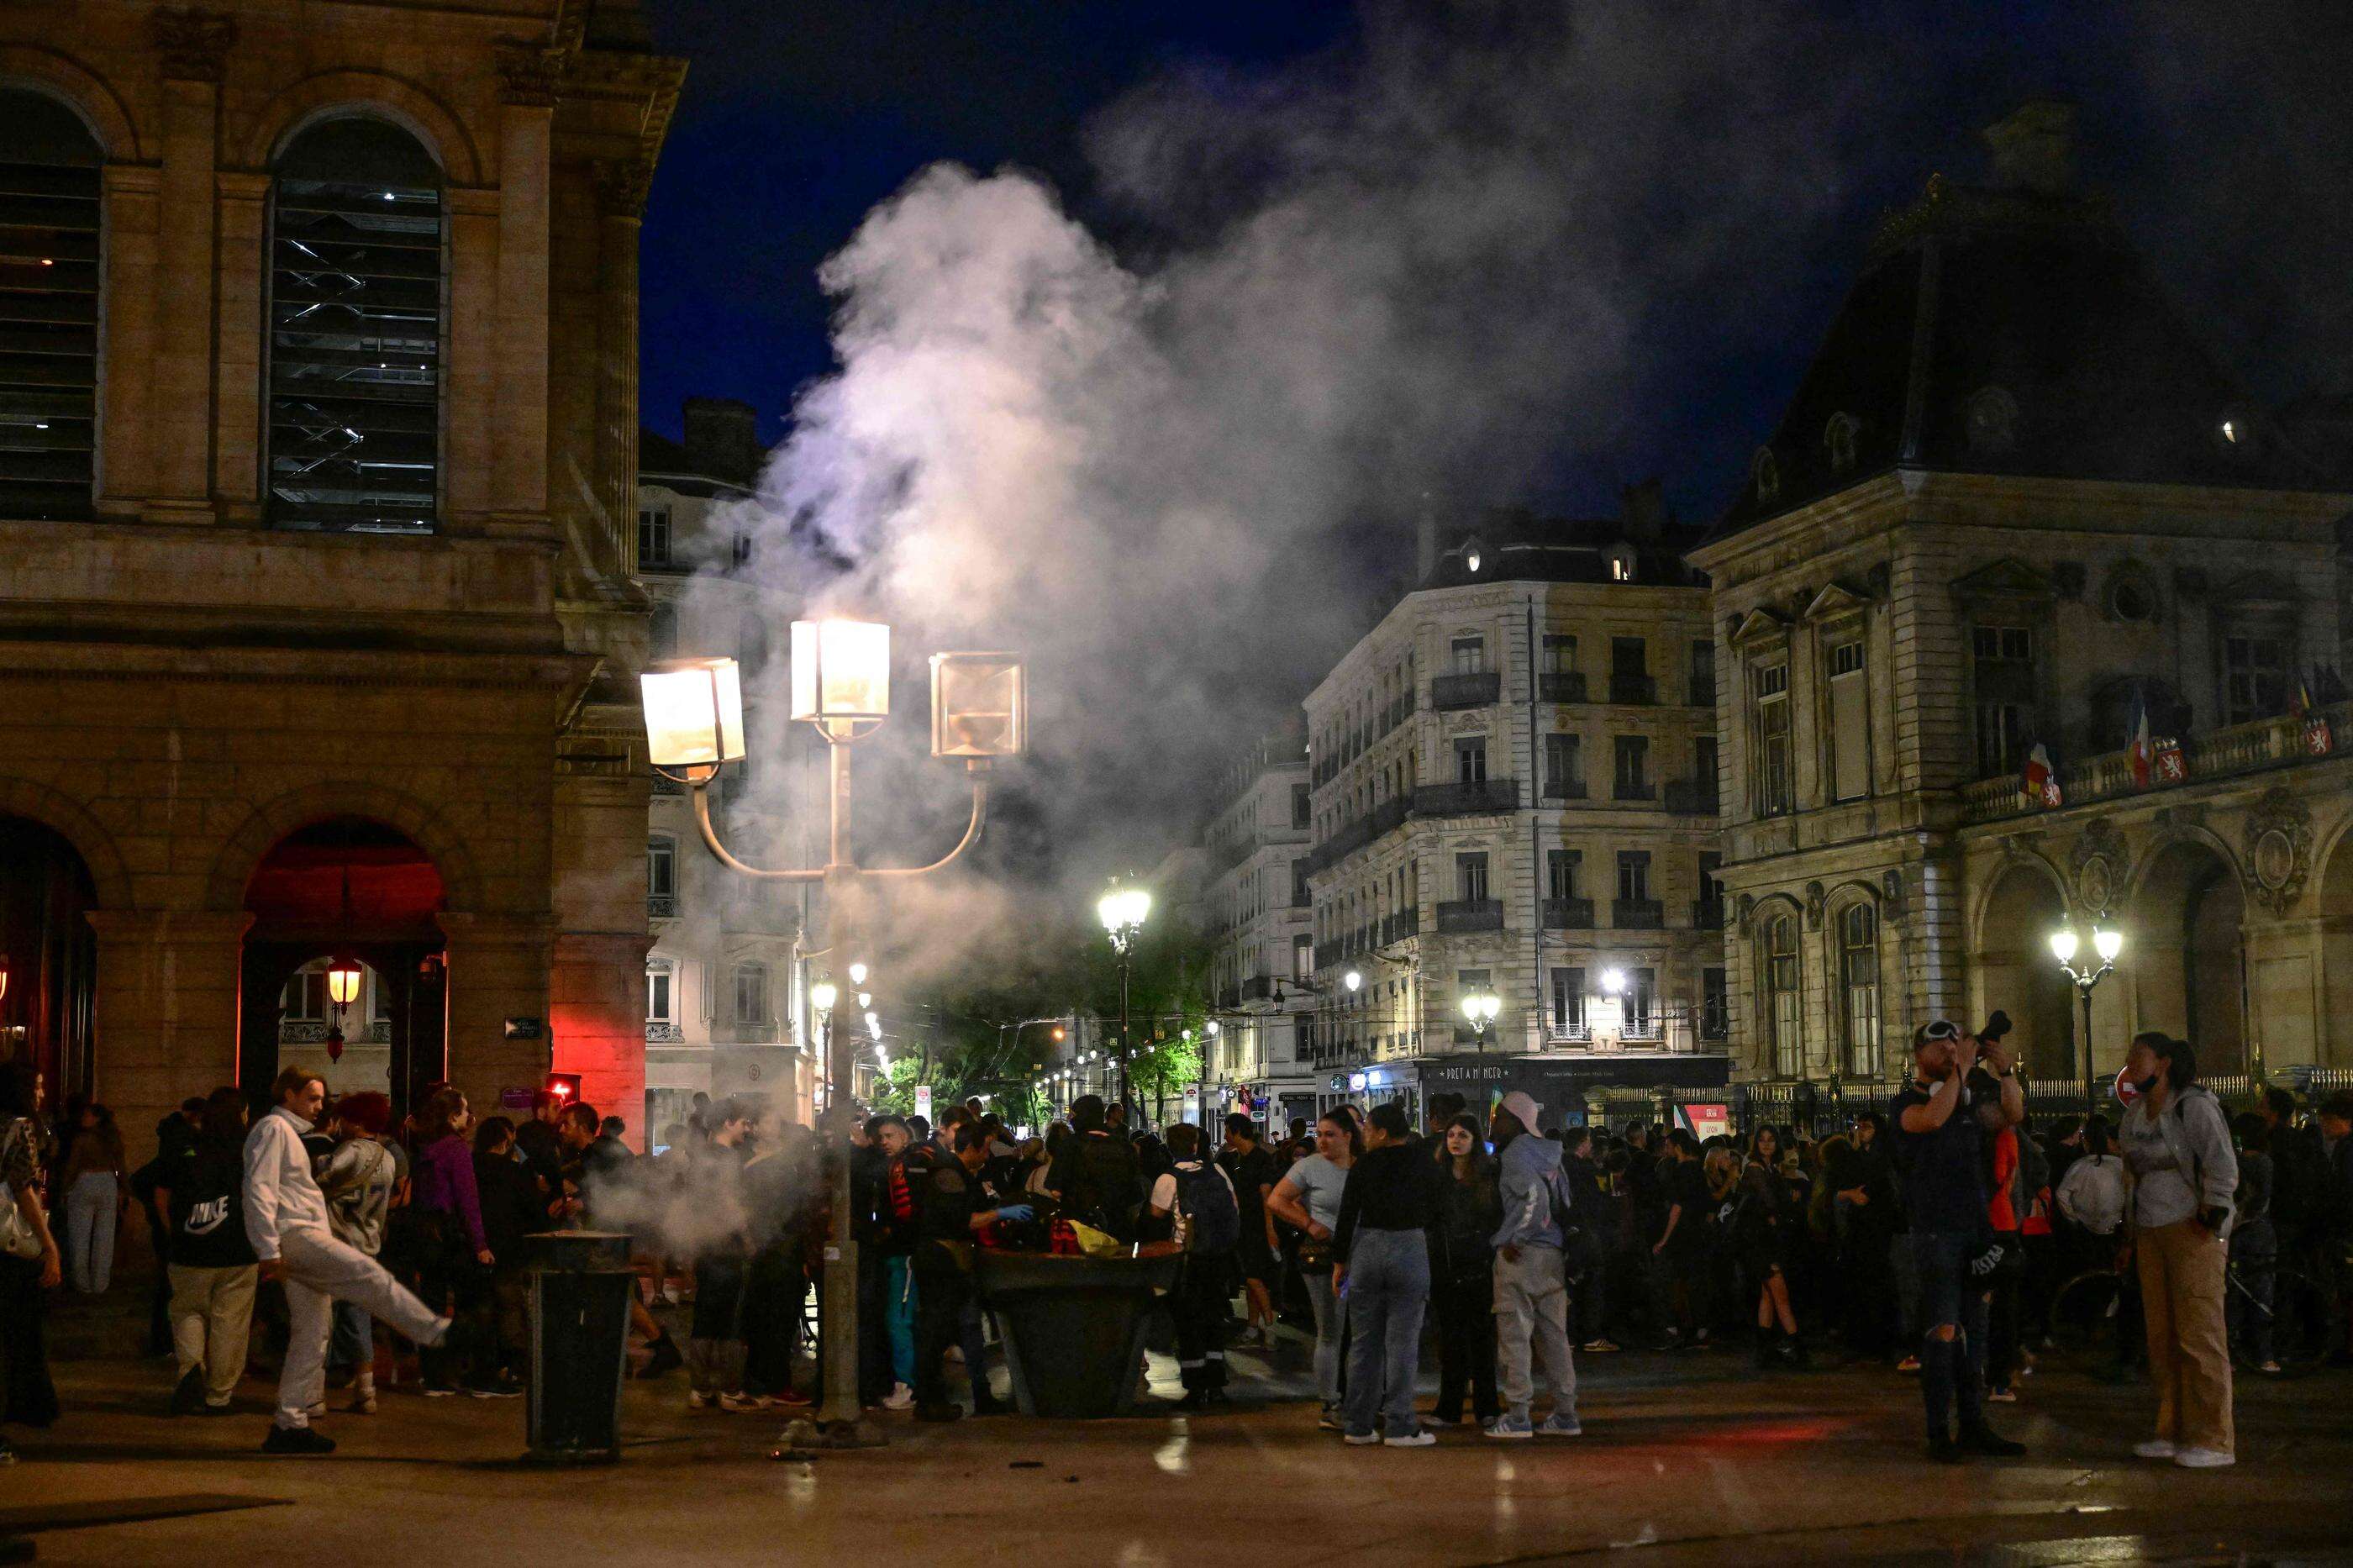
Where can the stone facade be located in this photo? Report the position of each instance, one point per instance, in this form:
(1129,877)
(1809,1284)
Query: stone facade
(1256,912)
(2013,506)
(188,686)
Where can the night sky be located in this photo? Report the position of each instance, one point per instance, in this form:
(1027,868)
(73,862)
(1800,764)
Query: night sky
(2222,130)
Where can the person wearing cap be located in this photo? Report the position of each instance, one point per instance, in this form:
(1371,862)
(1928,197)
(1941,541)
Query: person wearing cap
(1938,1140)
(1531,1279)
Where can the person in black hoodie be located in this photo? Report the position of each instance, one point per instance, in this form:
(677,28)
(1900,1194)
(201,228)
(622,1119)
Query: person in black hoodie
(210,1262)
(1097,1179)
(512,1209)
(1462,1273)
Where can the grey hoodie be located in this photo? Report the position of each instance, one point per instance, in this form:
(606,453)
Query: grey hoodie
(2183,1162)
(1531,1176)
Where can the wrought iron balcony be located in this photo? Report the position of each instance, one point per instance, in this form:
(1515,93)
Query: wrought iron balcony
(661,906)
(1259,988)
(1564,789)
(1565,685)
(1568,914)
(1633,690)
(1467,799)
(1479,691)
(662,1033)
(1700,693)
(1690,797)
(1634,789)
(1707,914)
(1638,914)
(1463,916)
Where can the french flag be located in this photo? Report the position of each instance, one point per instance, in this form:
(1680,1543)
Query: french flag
(2144,751)
(2042,779)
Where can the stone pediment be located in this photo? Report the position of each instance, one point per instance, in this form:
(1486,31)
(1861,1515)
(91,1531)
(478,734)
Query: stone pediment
(1759,625)
(1836,599)
(2008,578)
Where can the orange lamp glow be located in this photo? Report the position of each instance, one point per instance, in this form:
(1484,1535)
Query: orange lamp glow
(343,972)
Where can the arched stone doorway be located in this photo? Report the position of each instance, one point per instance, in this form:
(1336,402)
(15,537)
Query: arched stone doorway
(345,884)
(45,896)
(2336,953)
(2187,953)
(2016,973)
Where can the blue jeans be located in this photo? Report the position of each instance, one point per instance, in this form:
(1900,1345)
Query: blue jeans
(899,1316)
(1952,1371)
(353,1342)
(1389,1292)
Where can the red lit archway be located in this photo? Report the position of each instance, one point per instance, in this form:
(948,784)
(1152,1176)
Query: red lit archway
(346,883)
(50,953)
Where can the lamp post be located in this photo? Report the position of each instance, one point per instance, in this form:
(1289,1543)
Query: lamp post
(1481,1007)
(2064,945)
(1123,911)
(840,684)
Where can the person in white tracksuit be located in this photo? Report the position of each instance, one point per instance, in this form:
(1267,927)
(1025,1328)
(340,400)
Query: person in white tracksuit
(286,1219)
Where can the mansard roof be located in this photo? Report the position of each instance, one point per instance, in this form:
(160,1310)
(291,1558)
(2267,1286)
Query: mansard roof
(2010,331)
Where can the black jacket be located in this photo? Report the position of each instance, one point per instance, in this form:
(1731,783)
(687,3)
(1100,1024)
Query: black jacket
(1469,1215)
(1098,1181)
(512,1206)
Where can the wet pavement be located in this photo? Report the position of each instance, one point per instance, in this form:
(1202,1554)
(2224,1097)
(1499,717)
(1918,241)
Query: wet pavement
(1686,1459)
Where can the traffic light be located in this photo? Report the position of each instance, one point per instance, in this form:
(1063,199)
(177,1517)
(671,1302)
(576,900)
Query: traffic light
(564,1087)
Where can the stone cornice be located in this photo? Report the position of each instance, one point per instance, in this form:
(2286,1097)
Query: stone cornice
(529,72)
(621,186)
(193,43)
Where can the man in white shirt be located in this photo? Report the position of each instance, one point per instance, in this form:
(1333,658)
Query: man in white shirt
(1202,1194)
(286,1219)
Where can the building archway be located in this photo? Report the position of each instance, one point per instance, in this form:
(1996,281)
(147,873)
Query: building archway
(2016,973)
(2337,951)
(51,953)
(2188,953)
(345,884)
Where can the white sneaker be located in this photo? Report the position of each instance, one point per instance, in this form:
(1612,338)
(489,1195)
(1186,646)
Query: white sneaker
(2154,1448)
(699,1401)
(364,1400)
(1419,1437)
(2204,1458)
(901,1397)
(1361,1439)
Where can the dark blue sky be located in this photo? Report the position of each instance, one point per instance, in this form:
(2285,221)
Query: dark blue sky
(2221,129)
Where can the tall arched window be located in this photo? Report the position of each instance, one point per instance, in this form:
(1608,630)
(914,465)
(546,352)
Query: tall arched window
(1781,995)
(358,318)
(1858,930)
(48,308)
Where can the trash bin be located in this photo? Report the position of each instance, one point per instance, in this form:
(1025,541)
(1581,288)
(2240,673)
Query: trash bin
(580,1285)
(1073,1327)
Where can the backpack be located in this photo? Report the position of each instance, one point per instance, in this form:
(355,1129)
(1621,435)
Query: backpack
(1214,1220)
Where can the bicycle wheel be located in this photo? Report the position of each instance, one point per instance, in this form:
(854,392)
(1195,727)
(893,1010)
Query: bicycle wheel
(2084,1316)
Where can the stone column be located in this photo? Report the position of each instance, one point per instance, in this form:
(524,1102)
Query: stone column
(237,418)
(125,466)
(166,1009)
(194,47)
(620,203)
(472,380)
(497,971)
(527,87)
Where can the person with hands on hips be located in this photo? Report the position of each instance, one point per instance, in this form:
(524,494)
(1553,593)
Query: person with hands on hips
(2177,1144)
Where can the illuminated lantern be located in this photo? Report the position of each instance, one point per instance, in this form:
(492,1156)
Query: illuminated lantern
(694,714)
(979,706)
(343,972)
(841,671)
(335,1044)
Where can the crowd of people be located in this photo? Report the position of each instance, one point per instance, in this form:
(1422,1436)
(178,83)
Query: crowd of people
(1932,1237)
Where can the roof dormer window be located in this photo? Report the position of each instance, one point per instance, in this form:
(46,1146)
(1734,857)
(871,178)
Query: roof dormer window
(1993,421)
(1766,474)
(1838,439)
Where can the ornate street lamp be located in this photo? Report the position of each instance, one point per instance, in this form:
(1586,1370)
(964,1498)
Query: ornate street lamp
(1480,1008)
(2064,945)
(840,684)
(1123,911)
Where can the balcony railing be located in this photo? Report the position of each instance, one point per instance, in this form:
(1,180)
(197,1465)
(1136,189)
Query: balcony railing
(1259,988)
(1633,789)
(1354,835)
(313,1031)
(2241,748)
(1638,914)
(1568,914)
(1707,914)
(1700,693)
(663,1032)
(1467,799)
(1479,691)
(1561,686)
(1564,789)
(1400,925)
(1327,953)
(1568,1033)
(1633,690)
(1690,797)
(660,906)
(1465,915)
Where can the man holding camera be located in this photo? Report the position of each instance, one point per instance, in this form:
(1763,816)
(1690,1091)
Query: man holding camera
(1938,1147)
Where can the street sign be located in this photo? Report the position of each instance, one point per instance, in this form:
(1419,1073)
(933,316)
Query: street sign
(525,1028)
(923,1100)
(516,1099)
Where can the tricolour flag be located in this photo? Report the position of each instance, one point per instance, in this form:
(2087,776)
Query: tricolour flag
(2041,778)
(2144,754)
(2319,738)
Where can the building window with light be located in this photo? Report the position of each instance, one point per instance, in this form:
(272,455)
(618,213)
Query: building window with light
(1848,733)
(2001,667)
(1569,1003)
(1714,1005)
(660,1000)
(1564,768)
(653,536)
(751,994)
(49,202)
(1561,873)
(1774,785)
(1470,656)
(304,1000)
(661,876)
(1781,995)
(1640,1003)
(1858,930)
(1633,769)
(1471,760)
(1471,878)
(2254,678)
(358,325)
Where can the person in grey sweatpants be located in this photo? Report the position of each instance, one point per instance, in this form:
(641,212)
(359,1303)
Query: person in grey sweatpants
(1531,1280)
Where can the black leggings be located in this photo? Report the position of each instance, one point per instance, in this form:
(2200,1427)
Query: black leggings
(1466,1346)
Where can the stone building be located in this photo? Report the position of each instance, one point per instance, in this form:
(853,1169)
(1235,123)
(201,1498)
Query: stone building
(1513,790)
(2015,503)
(1263,977)
(724,996)
(317,465)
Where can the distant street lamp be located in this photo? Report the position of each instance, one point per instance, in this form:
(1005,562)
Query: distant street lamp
(840,682)
(1123,911)
(1480,1007)
(2064,945)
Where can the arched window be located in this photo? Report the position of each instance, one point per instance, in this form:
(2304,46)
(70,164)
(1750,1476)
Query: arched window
(48,308)
(1859,988)
(1781,995)
(358,320)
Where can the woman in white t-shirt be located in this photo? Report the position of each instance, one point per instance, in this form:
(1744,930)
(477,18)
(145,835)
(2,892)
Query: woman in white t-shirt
(1308,1198)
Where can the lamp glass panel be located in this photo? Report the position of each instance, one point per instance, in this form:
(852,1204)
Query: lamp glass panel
(979,705)
(2063,946)
(694,713)
(841,670)
(2109,943)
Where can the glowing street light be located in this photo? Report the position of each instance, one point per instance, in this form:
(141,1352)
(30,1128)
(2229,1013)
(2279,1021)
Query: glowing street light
(1354,980)
(1480,1008)
(1123,911)
(840,683)
(2065,944)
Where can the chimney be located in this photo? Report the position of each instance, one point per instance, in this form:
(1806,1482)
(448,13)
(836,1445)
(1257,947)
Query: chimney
(2034,147)
(723,439)
(1425,539)
(1643,509)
